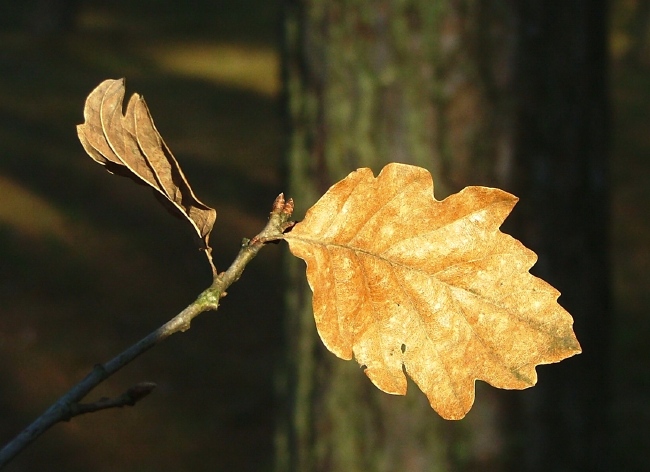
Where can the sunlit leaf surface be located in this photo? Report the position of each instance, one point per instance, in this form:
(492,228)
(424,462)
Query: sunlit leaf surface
(410,285)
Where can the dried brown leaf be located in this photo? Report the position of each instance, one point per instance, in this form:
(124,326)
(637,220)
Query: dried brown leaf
(130,145)
(409,284)
(168,172)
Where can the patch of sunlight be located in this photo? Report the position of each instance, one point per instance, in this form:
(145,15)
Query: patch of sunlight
(619,44)
(98,20)
(254,68)
(30,214)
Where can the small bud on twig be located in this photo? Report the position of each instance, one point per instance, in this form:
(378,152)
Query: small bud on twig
(287,209)
(140,390)
(278,204)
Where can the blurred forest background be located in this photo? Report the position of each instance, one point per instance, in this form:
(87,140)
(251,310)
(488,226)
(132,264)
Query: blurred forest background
(89,263)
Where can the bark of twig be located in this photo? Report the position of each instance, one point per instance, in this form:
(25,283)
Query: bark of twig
(68,406)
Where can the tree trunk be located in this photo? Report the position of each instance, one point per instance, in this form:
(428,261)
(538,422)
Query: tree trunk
(426,83)
(561,178)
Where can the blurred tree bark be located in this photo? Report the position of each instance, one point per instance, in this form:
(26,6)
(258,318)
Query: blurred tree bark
(480,93)
(561,176)
(639,27)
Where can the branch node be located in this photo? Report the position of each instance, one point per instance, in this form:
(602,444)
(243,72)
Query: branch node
(287,226)
(184,326)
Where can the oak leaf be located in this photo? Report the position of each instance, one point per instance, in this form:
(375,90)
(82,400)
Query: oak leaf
(129,144)
(408,284)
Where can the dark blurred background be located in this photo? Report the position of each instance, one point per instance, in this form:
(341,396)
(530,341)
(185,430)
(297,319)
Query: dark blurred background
(90,263)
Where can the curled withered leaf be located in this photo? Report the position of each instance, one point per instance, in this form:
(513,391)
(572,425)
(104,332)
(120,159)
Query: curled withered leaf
(129,144)
(408,284)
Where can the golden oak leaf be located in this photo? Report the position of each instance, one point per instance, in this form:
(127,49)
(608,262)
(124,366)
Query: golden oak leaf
(129,144)
(433,289)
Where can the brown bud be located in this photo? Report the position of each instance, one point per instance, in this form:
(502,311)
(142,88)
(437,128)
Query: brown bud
(140,390)
(278,204)
(288,207)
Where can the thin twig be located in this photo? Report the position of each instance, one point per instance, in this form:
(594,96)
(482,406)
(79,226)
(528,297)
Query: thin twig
(68,406)
(128,398)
